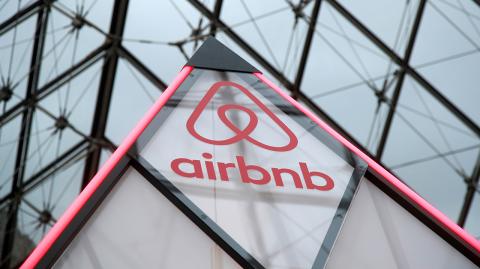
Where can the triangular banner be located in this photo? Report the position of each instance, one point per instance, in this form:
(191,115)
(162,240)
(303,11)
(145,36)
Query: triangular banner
(226,171)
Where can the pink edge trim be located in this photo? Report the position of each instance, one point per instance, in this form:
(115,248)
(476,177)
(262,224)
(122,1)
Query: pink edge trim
(413,196)
(97,180)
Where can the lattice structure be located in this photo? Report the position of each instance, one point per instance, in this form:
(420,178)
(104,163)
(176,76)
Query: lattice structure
(399,79)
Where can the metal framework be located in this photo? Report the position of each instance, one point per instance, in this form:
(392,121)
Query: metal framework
(111,51)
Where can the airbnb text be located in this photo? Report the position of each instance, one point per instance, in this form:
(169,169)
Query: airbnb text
(250,173)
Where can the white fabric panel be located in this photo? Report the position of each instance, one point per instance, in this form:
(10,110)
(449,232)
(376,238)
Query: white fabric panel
(137,227)
(379,233)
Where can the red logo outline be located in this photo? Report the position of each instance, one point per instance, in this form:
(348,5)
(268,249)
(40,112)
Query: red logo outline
(240,134)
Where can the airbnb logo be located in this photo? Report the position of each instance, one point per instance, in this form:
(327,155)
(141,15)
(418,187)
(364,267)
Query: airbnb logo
(240,134)
(302,177)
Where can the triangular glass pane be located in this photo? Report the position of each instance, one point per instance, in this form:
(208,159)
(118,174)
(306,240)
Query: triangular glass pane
(16,46)
(392,21)
(137,227)
(431,149)
(167,44)
(8,152)
(429,37)
(133,91)
(70,41)
(379,233)
(259,190)
(346,73)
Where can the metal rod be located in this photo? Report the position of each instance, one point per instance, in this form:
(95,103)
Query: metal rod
(20,16)
(306,48)
(244,45)
(216,11)
(23,144)
(107,79)
(54,84)
(133,60)
(49,169)
(414,74)
(472,185)
(196,215)
(401,79)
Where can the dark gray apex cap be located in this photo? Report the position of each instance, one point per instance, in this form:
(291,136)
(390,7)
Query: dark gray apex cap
(214,55)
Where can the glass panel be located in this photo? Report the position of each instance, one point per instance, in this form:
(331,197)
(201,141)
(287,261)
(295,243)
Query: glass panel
(23,245)
(473,220)
(98,13)
(75,100)
(174,40)
(277,189)
(9,8)
(16,47)
(379,233)
(232,45)
(452,67)
(132,96)
(9,134)
(258,22)
(48,141)
(44,203)
(137,227)
(348,77)
(69,41)
(390,20)
(458,20)
(430,149)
